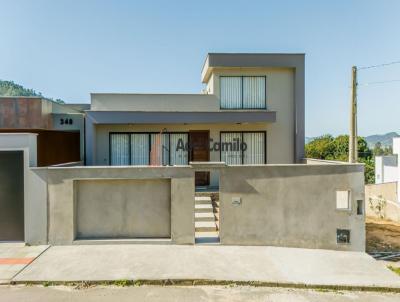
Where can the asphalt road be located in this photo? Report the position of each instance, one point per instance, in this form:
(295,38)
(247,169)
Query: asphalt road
(23,293)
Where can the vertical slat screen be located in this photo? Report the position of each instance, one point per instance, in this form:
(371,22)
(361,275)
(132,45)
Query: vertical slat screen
(231,92)
(254,92)
(255,153)
(119,144)
(139,149)
(178,157)
(228,154)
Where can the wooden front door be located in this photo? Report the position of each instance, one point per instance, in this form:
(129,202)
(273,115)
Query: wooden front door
(199,142)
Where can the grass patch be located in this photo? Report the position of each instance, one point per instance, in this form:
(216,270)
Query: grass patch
(46,284)
(328,290)
(394,269)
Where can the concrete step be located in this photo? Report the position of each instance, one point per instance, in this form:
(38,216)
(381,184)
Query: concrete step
(206,238)
(204,217)
(202,200)
(205,226)
(203,208)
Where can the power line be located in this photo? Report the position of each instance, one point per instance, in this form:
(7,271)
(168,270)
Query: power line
(379,82)
(380,65)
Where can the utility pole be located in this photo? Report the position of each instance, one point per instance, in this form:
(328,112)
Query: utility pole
(353,142)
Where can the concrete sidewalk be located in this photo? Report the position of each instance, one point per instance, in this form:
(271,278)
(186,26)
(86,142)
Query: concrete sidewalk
(272,265)
(14,257)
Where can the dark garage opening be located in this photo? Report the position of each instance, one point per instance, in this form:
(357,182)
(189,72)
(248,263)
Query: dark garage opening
(11,196)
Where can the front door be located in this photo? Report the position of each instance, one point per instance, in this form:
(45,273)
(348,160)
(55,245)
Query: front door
(199,142)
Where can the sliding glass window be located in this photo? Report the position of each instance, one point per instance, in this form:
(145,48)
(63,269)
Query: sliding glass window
(157,149)
(119,145)
(243,148)
(139,149)
(243,92)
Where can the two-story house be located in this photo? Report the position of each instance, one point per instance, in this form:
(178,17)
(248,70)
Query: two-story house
(251,112)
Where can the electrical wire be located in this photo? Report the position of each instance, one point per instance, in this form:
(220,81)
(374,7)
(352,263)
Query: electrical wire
(379,65)
(379,82)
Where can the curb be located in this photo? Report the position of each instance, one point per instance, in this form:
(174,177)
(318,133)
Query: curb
(206,282)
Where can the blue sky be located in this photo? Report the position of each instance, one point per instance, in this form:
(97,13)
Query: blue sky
(67,49)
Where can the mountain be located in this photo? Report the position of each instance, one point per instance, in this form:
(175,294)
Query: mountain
(9,88)
(385,139)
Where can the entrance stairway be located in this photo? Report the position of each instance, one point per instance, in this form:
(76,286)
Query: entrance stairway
(206,220)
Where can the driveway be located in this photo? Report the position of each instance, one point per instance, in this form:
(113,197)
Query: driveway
(264,264)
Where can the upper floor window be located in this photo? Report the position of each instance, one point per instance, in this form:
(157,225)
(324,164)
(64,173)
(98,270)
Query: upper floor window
(243,92)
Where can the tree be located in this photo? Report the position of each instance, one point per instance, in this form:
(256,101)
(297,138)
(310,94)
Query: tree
(330,148)
(379,151)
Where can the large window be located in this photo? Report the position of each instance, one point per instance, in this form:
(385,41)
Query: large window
(243,92)
(243,148)
(158,149)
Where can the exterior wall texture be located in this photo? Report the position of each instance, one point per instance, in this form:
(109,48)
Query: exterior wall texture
(121,208)
(293,206)
(65,198)
(154,102)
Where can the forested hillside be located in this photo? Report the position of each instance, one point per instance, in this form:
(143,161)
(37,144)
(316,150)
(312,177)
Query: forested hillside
(9,88)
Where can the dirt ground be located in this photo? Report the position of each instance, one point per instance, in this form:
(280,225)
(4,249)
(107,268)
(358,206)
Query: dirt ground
(382,235)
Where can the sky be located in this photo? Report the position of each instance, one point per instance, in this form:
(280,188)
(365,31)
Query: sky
(68,49)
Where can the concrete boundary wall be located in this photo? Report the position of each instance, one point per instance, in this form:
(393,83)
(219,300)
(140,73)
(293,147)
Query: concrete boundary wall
(381,201)
(62,197)
(384,191)
(291,205)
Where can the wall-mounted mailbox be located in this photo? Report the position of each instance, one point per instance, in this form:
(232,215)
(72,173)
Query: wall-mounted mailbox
(236,201)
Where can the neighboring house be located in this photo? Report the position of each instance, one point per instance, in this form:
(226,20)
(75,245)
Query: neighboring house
(59,127)
(257,99)
(387,168)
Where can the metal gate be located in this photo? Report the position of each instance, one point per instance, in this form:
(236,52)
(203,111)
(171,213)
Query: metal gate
(11,196)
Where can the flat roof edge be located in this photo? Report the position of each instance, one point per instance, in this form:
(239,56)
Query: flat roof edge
(250,60)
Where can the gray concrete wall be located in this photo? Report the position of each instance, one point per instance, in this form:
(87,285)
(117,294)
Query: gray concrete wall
(122,208)
(35,186)
(67,195)
(153,102)
(291,205)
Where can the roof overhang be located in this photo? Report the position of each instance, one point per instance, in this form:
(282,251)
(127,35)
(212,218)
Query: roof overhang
(250,60)
(134,117)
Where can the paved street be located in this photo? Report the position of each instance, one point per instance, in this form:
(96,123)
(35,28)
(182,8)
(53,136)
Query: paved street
(198,293)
